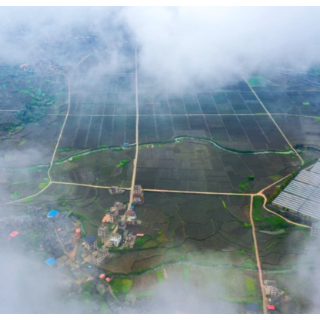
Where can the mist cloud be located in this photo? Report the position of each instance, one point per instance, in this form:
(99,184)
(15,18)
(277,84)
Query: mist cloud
(176,45)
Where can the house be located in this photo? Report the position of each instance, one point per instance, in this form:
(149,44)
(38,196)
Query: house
(252,308)
(97,257)
(130,215)
(12,235)
(138,197)
(115,239)
(119,205)
(122,225)
(103,231)
(108,218)
(52,213)
(127,235)
(78,232)
(134,222)
(90,242)
(109,278)
(50,261)
(271,289)
(111,215)
(116,190)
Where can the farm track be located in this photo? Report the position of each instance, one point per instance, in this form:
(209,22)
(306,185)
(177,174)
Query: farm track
(275,123)
(135,161)
(264,298)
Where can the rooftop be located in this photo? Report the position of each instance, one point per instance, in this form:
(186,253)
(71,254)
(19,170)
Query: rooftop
(52,213)
(302,195)
(90,239)
(50,261)
(252,307)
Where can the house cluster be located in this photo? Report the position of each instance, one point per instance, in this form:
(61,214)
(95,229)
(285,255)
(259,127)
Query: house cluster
(96,256)
(112,216)
(276,297)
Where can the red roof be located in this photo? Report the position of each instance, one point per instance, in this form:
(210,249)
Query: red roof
(78,230)
(130,213)
(13,234)
(271,307)
(59,229)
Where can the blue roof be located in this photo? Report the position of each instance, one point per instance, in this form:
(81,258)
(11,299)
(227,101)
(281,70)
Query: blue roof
(52,213)
(50,261)
(90,239)
(132,207)
(253,307)
(126,144)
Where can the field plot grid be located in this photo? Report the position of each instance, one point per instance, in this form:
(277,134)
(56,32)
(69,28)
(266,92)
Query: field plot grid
(302,195)
(198,166)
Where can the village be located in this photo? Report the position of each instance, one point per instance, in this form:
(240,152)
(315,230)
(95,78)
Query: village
(61,239)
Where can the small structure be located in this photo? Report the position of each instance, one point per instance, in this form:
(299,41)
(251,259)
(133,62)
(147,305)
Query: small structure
(122,225)
(50,261)
(134,222)
(119,205)
(271,288)
(138,196)
(96,257)
(140,235)
(115,239)
(130,215)
(109,278)
(127,235)
(116,190)
(271,308)
(103,231)
(90,242)
(252,308)
(126,144)
(52,213)
(102,276)
(12,235)
(109,218)
(78,232)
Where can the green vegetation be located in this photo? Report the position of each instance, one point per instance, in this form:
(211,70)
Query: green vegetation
(99,244)
(43,185)
(28,199)
(15,195)
(141,240)
(318,119)
(224,204)
(123,162)
(22,142)
(244,186)
(160,276)
(248,264)
(282,186)
(266,220)
(250,178)
(121,285)
(306,103)
(250,287)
